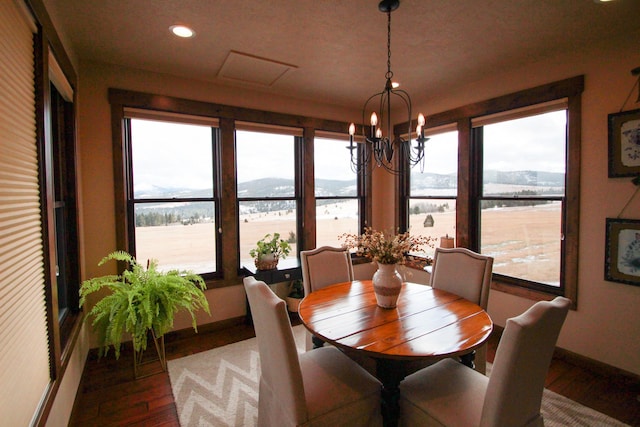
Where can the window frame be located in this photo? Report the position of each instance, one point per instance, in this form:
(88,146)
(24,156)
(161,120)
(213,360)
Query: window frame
(132,201)
(298,141)
(231,268)
(477,141)
(361,183)
(467,222)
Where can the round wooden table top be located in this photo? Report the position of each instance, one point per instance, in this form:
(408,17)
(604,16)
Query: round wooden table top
(426,324)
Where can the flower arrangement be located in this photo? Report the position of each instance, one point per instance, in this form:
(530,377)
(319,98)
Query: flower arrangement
(385,248)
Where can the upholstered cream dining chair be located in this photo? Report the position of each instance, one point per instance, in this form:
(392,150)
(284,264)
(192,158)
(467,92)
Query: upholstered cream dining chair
(321,267)
(317,388)
(450,394)
(467,274)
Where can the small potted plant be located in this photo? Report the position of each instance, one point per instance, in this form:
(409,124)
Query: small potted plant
(296,293)
(268,251)
(141,302)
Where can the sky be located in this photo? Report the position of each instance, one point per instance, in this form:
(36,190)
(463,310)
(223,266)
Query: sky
(159,160)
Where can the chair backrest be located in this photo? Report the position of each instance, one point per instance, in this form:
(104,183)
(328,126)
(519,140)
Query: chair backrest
(281,374)
(516,383)
(463,272)
(324,266)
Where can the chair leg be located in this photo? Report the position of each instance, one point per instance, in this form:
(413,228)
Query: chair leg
(468,359)
(317,342)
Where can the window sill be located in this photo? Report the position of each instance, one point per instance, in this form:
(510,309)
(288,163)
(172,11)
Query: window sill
(497,284)
(520,291)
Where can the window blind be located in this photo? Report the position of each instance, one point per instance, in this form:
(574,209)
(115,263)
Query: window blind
(24,361)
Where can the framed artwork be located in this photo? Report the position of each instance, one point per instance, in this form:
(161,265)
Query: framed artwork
(624,144)
(622,253)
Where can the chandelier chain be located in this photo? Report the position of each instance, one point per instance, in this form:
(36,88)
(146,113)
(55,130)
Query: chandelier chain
(389,72)
(392,153)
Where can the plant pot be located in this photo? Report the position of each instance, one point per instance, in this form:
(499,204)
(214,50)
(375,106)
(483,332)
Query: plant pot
(266,262)
(386,285)
(293,303)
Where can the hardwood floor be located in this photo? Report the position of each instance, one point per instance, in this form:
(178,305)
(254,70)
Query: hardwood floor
(110,396)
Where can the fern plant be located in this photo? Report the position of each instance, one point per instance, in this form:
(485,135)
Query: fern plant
(141,300)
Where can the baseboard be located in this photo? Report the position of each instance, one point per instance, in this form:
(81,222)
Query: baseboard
(205,328)
(584,362)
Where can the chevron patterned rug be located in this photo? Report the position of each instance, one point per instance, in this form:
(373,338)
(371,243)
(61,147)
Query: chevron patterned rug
(219,387)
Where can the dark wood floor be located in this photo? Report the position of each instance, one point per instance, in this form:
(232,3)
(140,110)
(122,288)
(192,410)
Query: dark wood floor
(110,396)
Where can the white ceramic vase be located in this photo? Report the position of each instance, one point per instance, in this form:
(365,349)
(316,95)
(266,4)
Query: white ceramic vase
(387,283)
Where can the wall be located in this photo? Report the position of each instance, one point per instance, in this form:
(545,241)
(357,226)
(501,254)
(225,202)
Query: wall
(95,154)
(605,326)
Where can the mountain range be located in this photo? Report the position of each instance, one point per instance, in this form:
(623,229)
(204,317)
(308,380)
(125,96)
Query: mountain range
(279,187)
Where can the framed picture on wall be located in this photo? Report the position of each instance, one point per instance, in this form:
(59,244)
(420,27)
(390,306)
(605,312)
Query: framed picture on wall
(624,144)
(622,253)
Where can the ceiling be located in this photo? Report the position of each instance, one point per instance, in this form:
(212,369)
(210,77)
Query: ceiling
(335,51)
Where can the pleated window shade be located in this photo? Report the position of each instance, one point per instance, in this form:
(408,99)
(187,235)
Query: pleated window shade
(24,360)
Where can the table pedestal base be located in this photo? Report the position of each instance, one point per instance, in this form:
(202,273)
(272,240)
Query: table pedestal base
(390,373)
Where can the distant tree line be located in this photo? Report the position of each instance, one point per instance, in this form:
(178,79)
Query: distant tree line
(514,200)
(188,214)
(420,208)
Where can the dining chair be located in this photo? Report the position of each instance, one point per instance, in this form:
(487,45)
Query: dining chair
(450,394)
(317,388)
(467,274)
(321,267)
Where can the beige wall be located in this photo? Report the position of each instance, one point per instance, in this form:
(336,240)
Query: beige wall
(605,327)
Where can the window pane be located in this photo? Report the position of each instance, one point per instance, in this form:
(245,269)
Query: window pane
(440,176)
(266,217)
(171,160)
(333,218)
(178,235)
(525,156)
(432,218)
(332,168)
(265,164)
(524,239)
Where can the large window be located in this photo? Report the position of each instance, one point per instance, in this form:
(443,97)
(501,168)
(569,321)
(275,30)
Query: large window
(522,199)
(433,192)
(174,203)
(336,190)
(198,184)
(517,191)
(266,189)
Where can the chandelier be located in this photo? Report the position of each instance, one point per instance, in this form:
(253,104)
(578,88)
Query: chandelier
(378,147)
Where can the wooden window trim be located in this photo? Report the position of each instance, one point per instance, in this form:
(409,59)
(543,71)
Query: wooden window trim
(466,223)
(121,99)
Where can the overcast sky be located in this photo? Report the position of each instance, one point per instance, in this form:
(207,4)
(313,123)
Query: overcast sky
(179,156)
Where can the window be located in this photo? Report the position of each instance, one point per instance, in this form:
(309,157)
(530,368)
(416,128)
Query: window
(336,190)
(206,181)
(523,195)
(517,195)
(267,189)
(433,192)
(174,203)
(65,212)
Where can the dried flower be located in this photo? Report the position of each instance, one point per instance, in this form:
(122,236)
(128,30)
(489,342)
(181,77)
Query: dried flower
(385,248)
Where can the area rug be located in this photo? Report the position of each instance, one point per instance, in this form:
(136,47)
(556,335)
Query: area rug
(219,387)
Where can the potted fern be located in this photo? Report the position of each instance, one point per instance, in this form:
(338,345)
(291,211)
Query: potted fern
(141,302)
(268,251)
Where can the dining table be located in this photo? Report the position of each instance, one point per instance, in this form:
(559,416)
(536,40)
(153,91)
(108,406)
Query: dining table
(426,325)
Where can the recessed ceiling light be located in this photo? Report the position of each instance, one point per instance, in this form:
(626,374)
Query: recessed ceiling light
(182,31)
